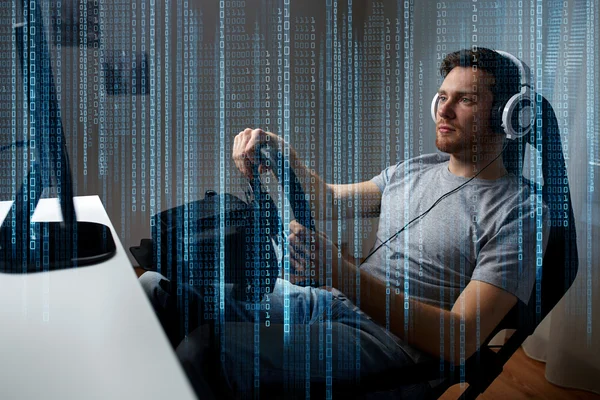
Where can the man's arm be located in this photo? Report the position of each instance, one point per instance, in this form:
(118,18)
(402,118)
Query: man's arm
(479,309)
(345,201)
(356,200)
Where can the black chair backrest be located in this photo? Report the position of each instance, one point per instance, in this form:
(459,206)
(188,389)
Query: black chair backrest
(560,261)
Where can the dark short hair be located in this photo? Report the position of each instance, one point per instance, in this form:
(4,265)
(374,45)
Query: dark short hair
(505,72)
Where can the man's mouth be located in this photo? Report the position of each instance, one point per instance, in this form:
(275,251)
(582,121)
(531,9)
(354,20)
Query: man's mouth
(445,128)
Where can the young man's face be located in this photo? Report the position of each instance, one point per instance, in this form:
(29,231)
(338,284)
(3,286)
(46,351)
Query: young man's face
(464,113)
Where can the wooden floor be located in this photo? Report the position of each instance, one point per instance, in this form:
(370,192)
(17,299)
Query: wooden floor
(523,378)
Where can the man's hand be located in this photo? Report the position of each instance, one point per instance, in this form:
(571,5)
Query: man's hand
(308,252)
(366,195)
(245,146)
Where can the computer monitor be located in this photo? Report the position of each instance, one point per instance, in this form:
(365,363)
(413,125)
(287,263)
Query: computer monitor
(27,246)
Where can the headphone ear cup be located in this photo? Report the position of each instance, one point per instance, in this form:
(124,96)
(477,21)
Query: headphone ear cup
(518,116)
(434,103)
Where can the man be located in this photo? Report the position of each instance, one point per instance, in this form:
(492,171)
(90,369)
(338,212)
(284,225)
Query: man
(453,251)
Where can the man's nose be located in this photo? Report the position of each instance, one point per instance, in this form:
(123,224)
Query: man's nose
(446,110)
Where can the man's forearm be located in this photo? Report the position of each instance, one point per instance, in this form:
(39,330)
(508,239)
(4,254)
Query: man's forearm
(332,201)
(433,330)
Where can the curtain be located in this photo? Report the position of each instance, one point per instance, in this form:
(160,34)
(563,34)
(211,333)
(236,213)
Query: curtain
(568,340)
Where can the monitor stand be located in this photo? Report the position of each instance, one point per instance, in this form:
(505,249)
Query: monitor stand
(56,245)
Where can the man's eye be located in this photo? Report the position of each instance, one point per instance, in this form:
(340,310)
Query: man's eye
(442,98)
(465,100)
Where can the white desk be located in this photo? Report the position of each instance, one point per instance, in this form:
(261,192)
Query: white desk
(85,333)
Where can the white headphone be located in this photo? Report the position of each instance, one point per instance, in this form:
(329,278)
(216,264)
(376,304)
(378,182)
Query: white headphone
(516,116)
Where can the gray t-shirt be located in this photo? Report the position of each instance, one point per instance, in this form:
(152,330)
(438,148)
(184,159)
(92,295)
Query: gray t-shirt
(485,231)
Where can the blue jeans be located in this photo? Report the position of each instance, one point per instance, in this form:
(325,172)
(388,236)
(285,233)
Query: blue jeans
(295,337)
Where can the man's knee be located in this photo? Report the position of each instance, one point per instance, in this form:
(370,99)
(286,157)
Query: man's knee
(158,291)
(155,286)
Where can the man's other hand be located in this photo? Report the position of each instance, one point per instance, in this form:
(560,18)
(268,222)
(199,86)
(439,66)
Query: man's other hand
(308,254)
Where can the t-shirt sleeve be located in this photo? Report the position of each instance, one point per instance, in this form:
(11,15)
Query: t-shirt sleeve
(383,178)
(508,258)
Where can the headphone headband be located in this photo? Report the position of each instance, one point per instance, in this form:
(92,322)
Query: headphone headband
(524,71)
